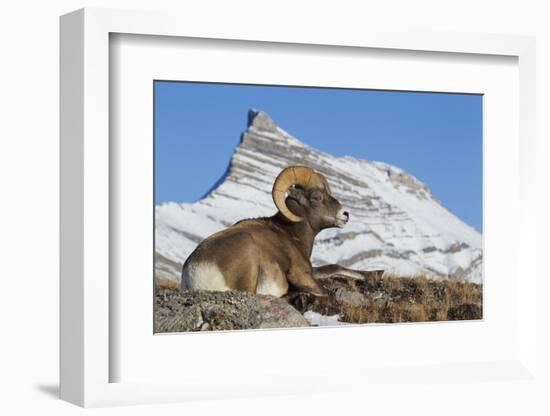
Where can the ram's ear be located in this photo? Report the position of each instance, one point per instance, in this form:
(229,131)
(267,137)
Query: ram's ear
(298,194)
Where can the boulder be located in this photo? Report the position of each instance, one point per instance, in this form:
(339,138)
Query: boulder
(216,311)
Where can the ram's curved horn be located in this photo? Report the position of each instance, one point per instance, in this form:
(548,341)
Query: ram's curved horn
(293,175)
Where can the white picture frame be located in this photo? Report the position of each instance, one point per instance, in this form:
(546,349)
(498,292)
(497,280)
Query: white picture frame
(87,356)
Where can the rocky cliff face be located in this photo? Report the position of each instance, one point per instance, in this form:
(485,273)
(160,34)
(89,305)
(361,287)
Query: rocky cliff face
(396,223)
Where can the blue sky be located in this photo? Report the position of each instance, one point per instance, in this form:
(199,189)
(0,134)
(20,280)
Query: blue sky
(435,137)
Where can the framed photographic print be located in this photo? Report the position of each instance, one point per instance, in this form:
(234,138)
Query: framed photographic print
(372,243)
(229,197)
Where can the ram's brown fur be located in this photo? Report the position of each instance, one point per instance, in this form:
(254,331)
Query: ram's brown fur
(265,255)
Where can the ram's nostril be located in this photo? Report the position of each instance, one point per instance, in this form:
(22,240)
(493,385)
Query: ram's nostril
(346,214)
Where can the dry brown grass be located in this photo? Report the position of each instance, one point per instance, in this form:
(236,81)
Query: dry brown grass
(390,299)
(387,299)
(167,284)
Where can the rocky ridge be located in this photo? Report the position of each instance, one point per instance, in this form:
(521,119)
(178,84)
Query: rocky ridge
(371,299)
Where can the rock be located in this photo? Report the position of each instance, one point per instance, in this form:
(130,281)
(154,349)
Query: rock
(349,297)
(278,313)
(261,121)
(217,311)
(190,318)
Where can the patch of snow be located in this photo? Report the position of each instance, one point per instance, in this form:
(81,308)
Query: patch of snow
(316,319)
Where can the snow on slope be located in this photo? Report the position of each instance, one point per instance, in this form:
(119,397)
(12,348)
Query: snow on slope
(395,225)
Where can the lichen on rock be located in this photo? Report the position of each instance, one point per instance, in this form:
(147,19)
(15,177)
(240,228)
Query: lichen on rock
(217,311)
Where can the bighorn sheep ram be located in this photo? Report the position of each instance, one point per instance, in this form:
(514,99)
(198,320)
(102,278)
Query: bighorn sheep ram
(264,255)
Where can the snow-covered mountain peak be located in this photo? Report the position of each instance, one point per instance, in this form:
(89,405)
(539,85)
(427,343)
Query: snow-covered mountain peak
(260,120)
(396,223)
(260,125)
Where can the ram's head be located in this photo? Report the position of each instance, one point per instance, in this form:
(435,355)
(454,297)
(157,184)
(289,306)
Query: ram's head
(301,194)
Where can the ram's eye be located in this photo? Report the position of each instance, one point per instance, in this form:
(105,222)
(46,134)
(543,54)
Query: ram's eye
(317,197)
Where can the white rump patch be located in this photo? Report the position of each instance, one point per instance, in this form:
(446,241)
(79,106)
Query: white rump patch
(203,276)
(271,287)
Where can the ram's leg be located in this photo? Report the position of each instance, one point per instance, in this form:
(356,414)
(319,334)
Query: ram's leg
(335,270)
(301,278)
